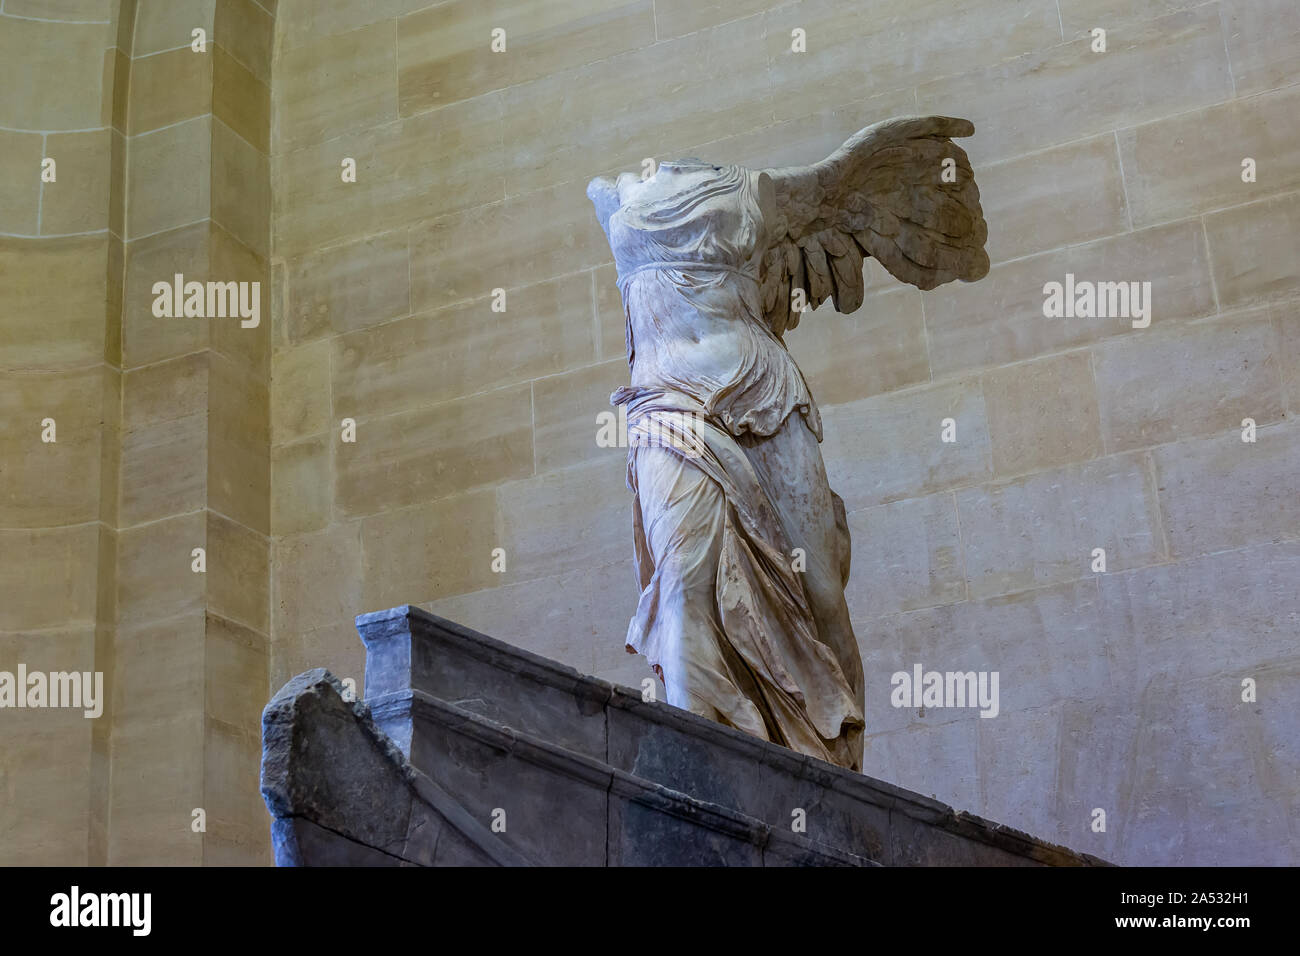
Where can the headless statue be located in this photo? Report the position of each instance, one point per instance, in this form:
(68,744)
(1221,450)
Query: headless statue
(742,548)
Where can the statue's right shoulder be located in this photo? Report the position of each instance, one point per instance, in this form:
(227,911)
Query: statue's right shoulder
(603,193)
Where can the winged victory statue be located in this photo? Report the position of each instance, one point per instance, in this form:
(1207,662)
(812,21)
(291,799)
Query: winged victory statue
(742,549)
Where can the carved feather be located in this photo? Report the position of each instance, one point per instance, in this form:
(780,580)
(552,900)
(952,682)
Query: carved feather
(900,191)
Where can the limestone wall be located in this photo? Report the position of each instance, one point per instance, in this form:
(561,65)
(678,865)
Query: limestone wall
(58,360)
(191,652)
(161,441)
(475,429)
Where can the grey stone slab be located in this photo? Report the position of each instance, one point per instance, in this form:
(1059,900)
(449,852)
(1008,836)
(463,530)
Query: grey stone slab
(423,832)
(409,648)
(658,786)
(318,762)
(454,849)
(468,714)
(299,842)
(560,808)
(779,852)
(653,829)
(341,793)
(650,825)
(650,741)
(551,801)
(914,843)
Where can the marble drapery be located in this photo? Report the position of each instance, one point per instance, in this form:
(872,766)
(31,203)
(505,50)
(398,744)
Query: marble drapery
(742,549)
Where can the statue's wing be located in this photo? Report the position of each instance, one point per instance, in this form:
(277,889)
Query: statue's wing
(884,193)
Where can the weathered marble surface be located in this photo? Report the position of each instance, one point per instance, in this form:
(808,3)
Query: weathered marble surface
(742,549)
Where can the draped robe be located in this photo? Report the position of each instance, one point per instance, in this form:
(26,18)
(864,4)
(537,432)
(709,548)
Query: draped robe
(742,549)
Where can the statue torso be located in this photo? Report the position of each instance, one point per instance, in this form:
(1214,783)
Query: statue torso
(688,243)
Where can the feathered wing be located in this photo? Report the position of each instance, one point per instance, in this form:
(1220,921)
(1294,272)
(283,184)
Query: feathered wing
(882,194)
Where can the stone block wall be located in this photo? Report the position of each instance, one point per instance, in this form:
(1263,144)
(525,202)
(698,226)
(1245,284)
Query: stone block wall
(476,428)
(57,361)
(162,440)
(191,655)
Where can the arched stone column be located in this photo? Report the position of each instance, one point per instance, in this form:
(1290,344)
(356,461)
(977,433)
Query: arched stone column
(189,669)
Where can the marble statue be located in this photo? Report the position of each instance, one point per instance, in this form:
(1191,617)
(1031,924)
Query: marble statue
(742,549)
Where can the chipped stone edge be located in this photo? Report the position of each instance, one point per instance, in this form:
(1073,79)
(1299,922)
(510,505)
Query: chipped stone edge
(282,711)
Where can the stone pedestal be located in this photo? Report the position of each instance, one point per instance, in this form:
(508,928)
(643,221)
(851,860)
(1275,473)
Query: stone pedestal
(468,750)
